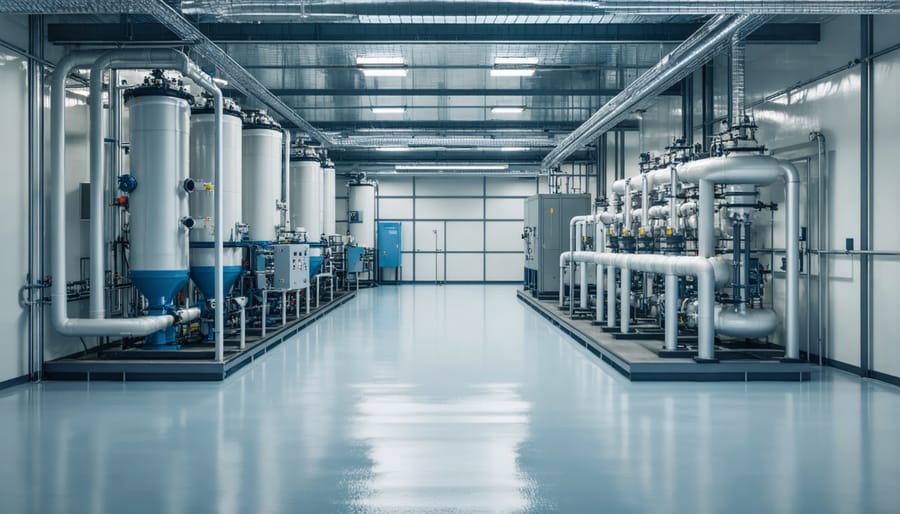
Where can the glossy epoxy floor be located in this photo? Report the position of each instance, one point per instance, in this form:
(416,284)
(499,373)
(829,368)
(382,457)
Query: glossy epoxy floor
(447,399)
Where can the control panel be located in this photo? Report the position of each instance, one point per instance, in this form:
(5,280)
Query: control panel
(291,266)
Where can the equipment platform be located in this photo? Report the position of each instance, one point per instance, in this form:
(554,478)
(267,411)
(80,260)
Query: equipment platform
(194,361)
(643,359)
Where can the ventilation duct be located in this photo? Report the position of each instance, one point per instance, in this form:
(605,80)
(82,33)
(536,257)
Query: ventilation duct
(711,38)
(227,67)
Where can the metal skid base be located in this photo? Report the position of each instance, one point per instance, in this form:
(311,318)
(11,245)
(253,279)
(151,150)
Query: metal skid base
(194,361)
(643,358)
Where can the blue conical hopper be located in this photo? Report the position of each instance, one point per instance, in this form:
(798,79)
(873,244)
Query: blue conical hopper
(205,278)
(160,288)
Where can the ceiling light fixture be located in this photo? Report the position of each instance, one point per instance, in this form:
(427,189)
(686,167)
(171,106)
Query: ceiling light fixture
(516,61)
(363,61)
(512,72)
(510,109)
(451,166)
(514,149)
(384,72)
(393,149)
(388,110)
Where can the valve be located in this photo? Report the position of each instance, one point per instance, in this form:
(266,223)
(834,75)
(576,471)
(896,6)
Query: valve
(127,183)
(189,185)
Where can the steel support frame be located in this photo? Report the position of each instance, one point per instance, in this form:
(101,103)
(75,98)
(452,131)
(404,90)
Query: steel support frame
(866,150)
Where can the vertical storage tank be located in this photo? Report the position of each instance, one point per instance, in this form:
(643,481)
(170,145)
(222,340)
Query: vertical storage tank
(159,113)
(202,200)
(328,197)
(305,204)
(261,175)
(361,215)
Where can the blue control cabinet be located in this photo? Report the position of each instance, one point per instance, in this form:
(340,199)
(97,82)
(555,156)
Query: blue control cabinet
(389,244)
(356,259)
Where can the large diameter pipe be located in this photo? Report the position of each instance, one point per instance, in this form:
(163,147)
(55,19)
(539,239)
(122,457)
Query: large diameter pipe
(582,278)
(792,244)
(645,202)
(758,170)
(671,342)
(699,267)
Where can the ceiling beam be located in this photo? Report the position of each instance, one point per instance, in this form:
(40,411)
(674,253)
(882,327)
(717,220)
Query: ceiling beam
(441,92)
(125,32)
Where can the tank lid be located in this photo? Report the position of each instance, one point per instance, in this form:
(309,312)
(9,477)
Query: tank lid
(206,105)
(255,119)
(304,154)
(158,84)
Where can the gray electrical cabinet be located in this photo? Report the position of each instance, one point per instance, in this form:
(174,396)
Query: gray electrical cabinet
(547,218)
(291,266)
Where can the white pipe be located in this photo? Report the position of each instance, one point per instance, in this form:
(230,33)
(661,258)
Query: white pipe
(699,267)
(627,208)
(759,170)
(611,296)
(286,180)
(625,300)
(671,312)
(645,202)
(673,200)
(582,279)
(572,237)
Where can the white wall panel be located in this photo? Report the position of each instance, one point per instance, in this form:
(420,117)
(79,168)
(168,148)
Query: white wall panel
(886,235)
(510,187)
(465,236)
(425,236)
(505,208)
(504,236)
(14,196)
(449,208)
(425,266)
(395,186)
(465,266)
(505,266)
(449,186)
(395,208)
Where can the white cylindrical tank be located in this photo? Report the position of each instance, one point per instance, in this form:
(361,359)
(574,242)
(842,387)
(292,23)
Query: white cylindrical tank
(159,116)
(305,204)
(261,172)
(202,200)
(328,197)
(361,215)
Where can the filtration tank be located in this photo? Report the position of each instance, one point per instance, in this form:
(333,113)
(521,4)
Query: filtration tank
(261,172)
(202,200)
(159,113)
(306,193)
(361,215)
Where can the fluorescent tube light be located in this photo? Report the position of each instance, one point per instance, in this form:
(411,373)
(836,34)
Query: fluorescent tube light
(509,109)
(378,60)
(384,72)
(516,60)
(514,149)
(393,149)
(512,72)
(451,167)
(221,82)
(388,110)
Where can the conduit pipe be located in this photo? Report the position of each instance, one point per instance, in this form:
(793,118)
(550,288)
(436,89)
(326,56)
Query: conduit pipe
(761,170)
(703,269)
(131,327)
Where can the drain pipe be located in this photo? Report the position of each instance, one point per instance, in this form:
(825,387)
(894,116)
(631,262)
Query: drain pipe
(131,327)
